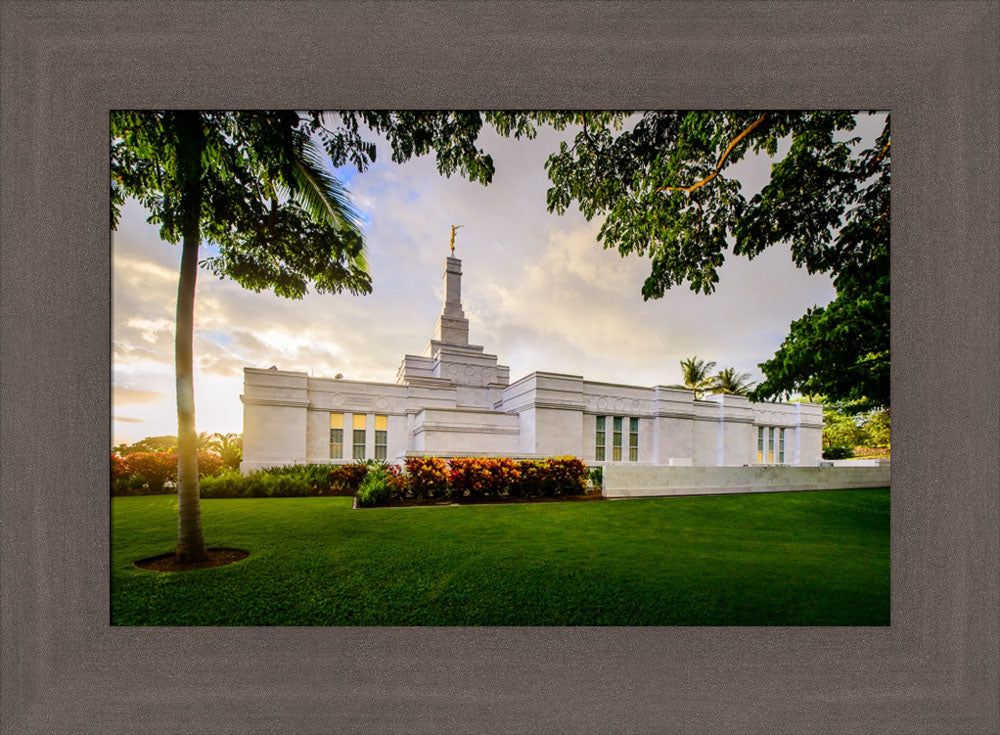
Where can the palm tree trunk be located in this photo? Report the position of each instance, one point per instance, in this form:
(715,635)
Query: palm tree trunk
(190,143)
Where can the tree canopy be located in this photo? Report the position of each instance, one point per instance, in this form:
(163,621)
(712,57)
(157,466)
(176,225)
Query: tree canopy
(663,191)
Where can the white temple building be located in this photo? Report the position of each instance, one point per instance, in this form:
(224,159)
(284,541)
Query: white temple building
(457,400)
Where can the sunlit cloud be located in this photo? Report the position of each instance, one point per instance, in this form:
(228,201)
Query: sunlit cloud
(126,420)
(122,396)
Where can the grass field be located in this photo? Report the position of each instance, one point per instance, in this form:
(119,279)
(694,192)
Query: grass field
(809,558)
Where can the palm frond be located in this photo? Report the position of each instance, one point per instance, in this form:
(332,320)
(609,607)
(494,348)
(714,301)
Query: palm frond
(321,194)
(326,199)
(732,382)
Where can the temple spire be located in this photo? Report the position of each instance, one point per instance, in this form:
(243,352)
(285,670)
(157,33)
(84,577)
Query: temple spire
(452,326)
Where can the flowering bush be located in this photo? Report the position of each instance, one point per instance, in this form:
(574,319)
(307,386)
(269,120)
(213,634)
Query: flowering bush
(564,476)
(478,477)
(118,468)
(156,467)
(426,477)
(396,479)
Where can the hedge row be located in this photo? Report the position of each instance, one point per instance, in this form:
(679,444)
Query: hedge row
(147,472)
(474,478)
(375,483)
(285,482)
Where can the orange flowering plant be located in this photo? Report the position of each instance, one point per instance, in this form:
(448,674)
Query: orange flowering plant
(482,476)
(565,476)
(426,476)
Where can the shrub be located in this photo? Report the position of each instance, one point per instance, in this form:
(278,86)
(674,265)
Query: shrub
(837,453)
(118,468)
(345,479)
(565,476)
(397,479)
(478,477)
(156,467)
(227,484)
(376,488)
(530,477)
(260,484)
(129,485)
(318,477)
(872,452)
(426,477)
(551,477)
(284,486)
(209,463)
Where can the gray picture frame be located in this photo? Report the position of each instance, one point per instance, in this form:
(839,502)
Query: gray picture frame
(66,64)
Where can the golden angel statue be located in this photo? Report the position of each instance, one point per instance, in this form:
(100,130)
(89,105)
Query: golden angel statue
(452,243)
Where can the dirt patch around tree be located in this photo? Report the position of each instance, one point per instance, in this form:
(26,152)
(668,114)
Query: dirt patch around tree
(168,562)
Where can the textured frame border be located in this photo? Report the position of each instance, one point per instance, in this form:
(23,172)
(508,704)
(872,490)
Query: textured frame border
(65,64)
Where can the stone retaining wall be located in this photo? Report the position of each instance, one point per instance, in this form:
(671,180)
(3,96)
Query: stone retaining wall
(623,481)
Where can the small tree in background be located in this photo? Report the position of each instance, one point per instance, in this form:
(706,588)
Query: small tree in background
(843,428)
(731,382)
(230,449)
(167,443)
(697,375)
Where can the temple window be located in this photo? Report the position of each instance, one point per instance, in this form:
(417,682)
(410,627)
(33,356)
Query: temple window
(359,435)
(336,436)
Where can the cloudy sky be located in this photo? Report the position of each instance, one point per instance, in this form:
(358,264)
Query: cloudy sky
(538,289)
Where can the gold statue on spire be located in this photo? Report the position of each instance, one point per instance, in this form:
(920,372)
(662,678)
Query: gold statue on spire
(452,243)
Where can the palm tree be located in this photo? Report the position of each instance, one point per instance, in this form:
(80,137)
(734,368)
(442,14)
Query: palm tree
(252,183)
(696,375)
(731,382)
(206,442)
(229,447)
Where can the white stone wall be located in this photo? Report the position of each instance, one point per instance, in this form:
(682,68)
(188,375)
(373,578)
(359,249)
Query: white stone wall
(526,430)
(318,436)
(674,439)
(462,431)
(273,435)
(636,481)
(274,417)
(557,432)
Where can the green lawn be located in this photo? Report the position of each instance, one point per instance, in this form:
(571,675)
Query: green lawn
(810,558)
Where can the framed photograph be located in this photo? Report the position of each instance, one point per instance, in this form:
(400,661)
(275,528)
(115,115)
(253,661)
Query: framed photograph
(531,355)
(69,664)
